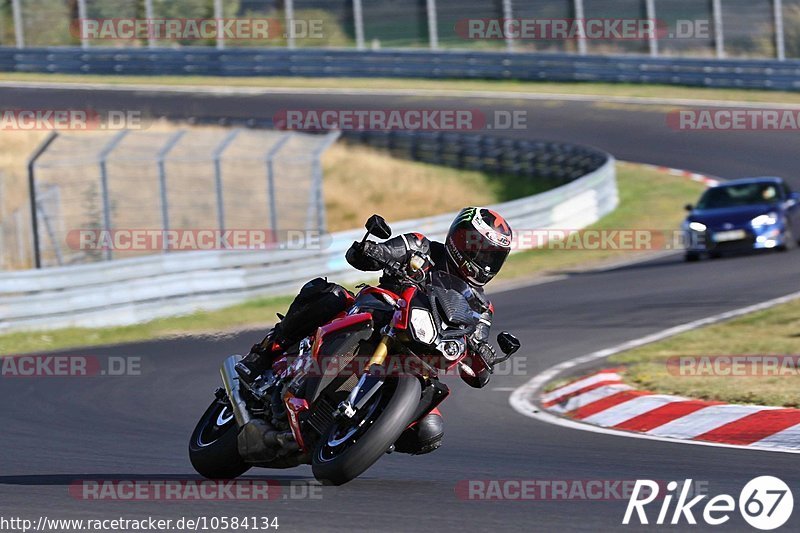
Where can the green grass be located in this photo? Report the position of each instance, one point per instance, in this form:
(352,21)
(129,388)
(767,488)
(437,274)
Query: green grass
(774,331)
(575,88)
(649,199)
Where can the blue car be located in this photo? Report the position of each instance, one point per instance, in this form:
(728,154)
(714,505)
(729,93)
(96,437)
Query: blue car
(740,215)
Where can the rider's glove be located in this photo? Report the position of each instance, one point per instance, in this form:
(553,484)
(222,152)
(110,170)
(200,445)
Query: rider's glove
(373,251)
(487,353)
(368,256)
(356,249)
(357,257)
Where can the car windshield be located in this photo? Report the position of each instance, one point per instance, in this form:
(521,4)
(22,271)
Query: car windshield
(738,195)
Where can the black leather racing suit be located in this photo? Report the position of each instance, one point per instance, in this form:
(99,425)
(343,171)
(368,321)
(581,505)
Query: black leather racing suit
(369,256)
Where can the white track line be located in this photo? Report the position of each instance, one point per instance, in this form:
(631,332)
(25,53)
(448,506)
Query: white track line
(523,399)
(446,93)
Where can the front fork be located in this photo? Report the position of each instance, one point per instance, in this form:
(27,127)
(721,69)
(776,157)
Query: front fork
(381,351)
(368,384)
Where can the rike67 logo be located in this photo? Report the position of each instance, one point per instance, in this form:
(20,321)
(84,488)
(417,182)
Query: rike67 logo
(765,503)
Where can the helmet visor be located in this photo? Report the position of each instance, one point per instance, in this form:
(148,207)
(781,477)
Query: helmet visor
(486,263)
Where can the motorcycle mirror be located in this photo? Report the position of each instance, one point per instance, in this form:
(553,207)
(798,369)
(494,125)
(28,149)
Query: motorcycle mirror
(378,227)
(508,343)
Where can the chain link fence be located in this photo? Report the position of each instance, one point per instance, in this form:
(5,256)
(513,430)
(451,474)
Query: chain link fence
(91,189)
(708,28)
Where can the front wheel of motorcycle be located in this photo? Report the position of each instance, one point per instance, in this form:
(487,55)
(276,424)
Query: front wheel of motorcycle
(351,445)
(213,448)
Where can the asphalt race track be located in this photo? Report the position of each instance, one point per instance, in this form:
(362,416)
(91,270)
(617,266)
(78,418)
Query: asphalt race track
(60,430)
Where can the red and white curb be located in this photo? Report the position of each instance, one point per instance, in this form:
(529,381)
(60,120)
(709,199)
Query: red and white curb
(708,181)
(620,419)
(603,399)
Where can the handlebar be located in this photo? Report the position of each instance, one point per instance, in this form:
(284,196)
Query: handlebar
(503,359)
(395,268)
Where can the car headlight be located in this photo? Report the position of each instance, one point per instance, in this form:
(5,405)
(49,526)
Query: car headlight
(422,326)
(769,219)
(697,226)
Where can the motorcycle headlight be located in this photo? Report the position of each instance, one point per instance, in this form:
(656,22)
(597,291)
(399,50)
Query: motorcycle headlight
(770,219)
(452,349)
(697,226)
(422,325)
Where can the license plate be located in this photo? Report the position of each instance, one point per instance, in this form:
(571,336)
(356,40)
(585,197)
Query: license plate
(732,235)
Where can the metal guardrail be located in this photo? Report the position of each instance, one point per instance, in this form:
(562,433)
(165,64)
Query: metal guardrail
(139,289)
(739,73)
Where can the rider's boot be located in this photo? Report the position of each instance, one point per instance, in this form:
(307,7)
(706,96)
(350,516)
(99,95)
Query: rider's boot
(423,436)
(260,358)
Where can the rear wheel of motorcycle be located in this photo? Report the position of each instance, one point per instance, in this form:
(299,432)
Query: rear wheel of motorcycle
(350,447)
(213,448)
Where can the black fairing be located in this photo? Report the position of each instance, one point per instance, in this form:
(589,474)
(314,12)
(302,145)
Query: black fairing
(433,394)
(451,306)
(342,343)
(451,299)
(371,303)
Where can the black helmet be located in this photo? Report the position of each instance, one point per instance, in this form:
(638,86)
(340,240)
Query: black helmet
(478,243)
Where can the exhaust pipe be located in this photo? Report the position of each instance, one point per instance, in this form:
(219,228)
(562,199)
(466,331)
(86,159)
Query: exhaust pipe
(258,442)
(230,380)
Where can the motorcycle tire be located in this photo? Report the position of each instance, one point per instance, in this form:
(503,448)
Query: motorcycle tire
(213,448)
(389,412)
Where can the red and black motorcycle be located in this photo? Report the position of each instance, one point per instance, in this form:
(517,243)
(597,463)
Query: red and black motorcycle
(348,392)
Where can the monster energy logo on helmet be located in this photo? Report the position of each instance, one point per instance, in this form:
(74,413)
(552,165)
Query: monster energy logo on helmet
(478,243)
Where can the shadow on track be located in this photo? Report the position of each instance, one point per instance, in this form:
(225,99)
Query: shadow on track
(69,479)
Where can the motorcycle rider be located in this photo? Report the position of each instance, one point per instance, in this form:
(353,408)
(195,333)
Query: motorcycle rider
(476,246)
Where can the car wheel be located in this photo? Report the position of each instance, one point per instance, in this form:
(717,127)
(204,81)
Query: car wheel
(691,257)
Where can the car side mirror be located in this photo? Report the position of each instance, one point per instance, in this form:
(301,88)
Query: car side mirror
(508,343)
(378,227)
(689,207)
